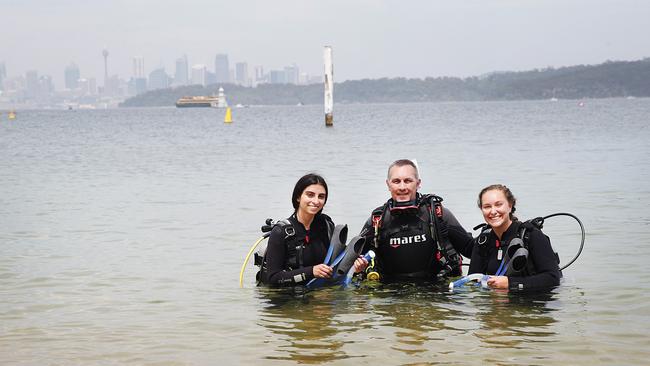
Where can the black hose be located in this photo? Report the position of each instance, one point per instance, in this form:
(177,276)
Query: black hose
(582,229)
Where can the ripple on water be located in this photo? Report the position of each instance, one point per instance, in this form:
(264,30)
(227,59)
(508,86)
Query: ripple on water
(107,258)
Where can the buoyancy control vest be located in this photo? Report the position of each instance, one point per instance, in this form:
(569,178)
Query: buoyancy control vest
(294,245)
(412,239)
(525,266)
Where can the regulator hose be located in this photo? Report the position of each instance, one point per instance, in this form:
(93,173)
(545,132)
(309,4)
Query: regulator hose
(243,266)
(582,230)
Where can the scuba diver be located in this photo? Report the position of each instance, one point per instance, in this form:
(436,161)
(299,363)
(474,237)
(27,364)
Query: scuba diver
(413,235)
(516,256)
(298,246)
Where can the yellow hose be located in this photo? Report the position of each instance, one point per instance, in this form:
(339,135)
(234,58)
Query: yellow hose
(243,267)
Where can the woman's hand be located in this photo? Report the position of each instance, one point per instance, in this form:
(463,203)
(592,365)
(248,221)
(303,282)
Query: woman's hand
(498,282)
(360,264)
(322,271)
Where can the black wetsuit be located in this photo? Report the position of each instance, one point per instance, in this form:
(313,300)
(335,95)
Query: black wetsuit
(542,261)
(287,267)
(406,248)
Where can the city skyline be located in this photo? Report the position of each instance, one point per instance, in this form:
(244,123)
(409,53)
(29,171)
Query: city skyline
(80,91)
(370,39)
(139,70)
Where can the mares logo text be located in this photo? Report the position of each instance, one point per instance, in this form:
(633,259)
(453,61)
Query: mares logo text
(396,242)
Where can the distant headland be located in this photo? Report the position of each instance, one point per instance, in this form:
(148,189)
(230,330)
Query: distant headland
(607,80)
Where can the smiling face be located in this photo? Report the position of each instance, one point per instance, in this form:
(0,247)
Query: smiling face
(403,183)
(496,210)
(312,200)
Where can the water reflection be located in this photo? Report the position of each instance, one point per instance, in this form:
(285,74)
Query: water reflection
(410,319)
(301,324)
(334,324)
(512,320)
(415,314)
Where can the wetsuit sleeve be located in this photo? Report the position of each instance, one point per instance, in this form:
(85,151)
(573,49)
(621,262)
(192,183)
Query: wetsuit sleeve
(276,263)
(459,237)
(478,263)
(547,270)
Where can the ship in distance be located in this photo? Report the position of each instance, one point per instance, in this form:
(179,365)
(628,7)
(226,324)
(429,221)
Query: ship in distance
(214,101)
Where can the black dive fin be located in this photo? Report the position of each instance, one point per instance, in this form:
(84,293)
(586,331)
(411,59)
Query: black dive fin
(517,262)
(337,244)
(352,252)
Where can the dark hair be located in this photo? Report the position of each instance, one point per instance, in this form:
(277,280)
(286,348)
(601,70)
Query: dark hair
(403,162)
(506,192)
(304,182)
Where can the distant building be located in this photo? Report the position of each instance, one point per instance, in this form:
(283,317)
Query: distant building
(105,55)
(3,75)
(114,86)
(303,78)
(291,74)
(158,79)
(137,86)
(221,68)
(138,67)
(210,78)
(199,74)
(72,76)
(88,86)
(259,76)
(180,76)
(46,86)
(139,83)
(277,77)
(31,84)
(241,73)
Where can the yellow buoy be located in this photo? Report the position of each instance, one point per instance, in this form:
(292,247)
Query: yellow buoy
(12,115)
(228,117)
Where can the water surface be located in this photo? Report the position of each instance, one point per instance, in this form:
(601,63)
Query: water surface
(123,232)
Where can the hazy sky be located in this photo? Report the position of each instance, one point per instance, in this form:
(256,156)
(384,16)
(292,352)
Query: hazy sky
(370,38)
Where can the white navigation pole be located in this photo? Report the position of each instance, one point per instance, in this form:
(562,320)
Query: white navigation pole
(329,86)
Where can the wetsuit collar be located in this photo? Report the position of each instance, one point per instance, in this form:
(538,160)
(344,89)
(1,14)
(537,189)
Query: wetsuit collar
(510,232)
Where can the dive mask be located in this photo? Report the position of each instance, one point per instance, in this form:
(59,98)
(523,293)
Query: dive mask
(403,208)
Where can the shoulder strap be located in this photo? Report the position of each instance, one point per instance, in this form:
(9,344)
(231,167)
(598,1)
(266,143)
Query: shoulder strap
(329,224)
(377,218)
(447,255)
(526,227)
(482,238)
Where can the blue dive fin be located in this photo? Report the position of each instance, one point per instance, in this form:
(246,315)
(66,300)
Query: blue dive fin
(342,262)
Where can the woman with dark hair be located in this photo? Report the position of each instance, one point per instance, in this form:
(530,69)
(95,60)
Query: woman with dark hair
(514,263)
(296,251)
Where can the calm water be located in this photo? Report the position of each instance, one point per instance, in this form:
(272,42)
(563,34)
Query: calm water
(122,233)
